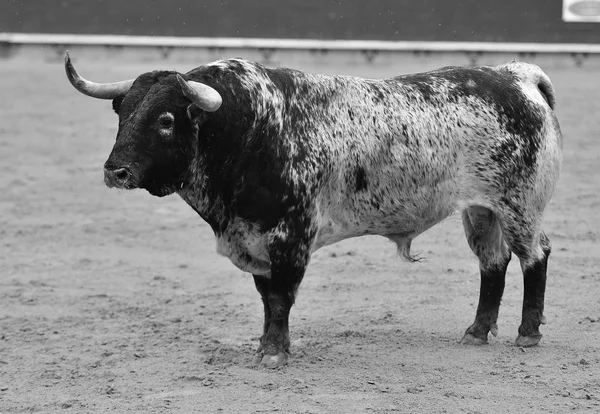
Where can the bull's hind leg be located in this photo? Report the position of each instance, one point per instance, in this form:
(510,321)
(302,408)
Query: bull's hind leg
(532,246)
(485,239)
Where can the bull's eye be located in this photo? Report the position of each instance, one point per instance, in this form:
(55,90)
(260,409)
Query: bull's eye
(166,120)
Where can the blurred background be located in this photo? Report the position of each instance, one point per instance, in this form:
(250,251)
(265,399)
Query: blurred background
(432,20)
(268,29)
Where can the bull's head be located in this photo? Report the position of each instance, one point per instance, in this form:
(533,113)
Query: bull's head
(158,116)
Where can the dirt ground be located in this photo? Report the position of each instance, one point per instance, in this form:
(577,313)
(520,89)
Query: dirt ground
(114,301)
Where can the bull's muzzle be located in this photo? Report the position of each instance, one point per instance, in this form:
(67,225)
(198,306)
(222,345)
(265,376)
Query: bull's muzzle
(119,177)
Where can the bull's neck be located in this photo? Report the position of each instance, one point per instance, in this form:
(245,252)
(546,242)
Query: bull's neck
(210,210)
(196,194)
(244,123)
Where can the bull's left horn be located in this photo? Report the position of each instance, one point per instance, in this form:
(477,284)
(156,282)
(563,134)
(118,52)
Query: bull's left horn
(93,89)
(205,97)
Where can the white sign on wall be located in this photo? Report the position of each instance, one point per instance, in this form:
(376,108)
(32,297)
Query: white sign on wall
(581,11)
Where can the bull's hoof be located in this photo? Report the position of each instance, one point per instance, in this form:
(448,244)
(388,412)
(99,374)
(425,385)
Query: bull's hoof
(272,361)
(257,358)
(469,339)
(528,341)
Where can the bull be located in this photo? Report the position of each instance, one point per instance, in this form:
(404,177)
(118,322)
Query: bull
(281,163)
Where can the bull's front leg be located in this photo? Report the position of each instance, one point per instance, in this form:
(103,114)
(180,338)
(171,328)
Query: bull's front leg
(278,293)
(262,285)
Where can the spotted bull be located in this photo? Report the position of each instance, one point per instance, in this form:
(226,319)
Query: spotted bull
(281,163)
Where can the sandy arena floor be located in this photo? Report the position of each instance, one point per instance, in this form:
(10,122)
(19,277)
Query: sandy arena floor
(114,301)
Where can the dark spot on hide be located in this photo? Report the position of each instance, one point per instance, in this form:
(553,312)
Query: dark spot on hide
(351,114)
(361,179)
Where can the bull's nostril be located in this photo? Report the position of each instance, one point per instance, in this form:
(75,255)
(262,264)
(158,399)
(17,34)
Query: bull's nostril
(118,177)
(121,174)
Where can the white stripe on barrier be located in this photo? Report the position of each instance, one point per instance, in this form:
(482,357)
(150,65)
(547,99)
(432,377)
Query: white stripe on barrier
(304,44)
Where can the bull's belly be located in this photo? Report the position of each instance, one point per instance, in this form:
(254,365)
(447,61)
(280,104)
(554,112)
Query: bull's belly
(400,222)
(400,219)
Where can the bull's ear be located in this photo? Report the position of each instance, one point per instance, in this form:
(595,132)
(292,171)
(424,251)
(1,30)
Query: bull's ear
(195,114)
(117,103)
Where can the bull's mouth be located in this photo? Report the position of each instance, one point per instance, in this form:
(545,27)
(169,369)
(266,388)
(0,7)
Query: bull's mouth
(123,186)
(155,190)
(129,178)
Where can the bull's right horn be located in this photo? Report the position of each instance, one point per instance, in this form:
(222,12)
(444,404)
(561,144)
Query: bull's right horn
(204,96)
(93,89)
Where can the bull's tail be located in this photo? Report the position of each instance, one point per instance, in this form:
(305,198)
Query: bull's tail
(533,74)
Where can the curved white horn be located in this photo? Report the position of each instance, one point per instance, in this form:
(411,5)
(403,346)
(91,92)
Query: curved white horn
(202,95)
(93,89)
